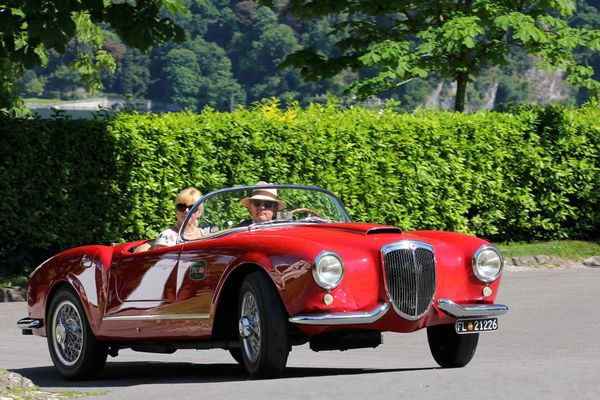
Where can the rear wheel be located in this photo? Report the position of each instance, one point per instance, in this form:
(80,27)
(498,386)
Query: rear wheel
(262,327)
(449,349)
(74,350)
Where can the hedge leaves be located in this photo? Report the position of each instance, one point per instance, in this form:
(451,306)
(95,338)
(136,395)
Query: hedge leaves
(533,173)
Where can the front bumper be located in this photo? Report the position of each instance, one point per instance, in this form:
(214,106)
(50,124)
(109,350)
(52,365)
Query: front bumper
(470,310)
(368,317)
(27,325)
(342,318)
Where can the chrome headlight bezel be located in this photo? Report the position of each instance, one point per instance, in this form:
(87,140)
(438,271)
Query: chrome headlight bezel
(328,270)
(487,263)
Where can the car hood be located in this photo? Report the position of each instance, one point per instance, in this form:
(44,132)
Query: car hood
(357,237)
(335,235)
(356,228)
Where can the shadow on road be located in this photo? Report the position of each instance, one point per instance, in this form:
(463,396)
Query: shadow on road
(138,373)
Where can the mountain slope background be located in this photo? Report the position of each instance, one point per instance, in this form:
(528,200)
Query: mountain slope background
(232,55)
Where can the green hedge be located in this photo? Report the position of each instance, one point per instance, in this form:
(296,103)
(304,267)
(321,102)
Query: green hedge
(529,174)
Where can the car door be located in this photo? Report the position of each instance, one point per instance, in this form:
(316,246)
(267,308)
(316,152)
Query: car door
(141,292)
(165,292)
(148,276)
(199,270)
(201,266)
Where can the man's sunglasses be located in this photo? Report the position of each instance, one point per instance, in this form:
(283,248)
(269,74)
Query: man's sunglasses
(181,207)
(268,204)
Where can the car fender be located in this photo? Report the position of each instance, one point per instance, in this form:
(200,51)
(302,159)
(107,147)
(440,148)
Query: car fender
(237,269)
(455,277)
(84,270)
(283,273)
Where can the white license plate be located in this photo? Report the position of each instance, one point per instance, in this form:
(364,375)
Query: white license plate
(464,326)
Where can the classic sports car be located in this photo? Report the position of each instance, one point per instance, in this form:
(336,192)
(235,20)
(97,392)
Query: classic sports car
(276,266)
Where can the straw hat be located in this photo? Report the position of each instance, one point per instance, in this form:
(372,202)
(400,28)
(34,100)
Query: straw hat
(263,194)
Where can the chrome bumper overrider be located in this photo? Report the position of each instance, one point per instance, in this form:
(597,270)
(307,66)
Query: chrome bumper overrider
(470,310)
(27,324)
(342,318)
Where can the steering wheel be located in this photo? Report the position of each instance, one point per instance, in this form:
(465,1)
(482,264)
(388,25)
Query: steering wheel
(307,211)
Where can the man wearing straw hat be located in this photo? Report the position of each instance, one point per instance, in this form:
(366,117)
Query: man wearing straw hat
(263,204)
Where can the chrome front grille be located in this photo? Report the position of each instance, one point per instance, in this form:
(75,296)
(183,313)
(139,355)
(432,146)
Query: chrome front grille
(409,268)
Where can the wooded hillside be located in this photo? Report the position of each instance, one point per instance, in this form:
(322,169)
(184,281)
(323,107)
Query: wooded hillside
(233,51)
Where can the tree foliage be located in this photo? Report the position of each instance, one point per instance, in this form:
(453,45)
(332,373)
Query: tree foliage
(181,69)
(239,45)
(392,43)
(10,101)
(30,29)
(248,42)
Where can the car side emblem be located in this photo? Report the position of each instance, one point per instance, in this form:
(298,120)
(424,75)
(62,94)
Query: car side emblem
(198,270)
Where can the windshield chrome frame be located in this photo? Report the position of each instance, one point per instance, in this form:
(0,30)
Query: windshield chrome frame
(253,187)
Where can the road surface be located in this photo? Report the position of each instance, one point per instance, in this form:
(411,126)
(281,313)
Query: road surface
(548,346)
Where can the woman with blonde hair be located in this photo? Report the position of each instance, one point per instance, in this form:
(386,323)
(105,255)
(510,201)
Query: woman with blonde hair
(184,202)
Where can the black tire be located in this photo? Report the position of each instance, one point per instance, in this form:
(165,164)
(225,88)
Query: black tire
(264,341)
(74,350)
(449,349)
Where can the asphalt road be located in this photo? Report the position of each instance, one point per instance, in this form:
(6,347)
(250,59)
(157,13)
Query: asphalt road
(548,346)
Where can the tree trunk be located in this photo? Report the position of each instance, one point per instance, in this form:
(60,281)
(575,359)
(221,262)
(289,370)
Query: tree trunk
(461,92)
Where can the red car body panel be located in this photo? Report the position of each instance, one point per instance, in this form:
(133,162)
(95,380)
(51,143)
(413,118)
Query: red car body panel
(179,288)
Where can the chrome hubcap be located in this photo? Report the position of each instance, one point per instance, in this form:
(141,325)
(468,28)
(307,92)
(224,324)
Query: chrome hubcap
(249,327)
(61,334)
(68,334)
(244,327)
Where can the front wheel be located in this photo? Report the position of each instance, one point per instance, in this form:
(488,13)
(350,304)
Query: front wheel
(74,350)
(449,349)
(262,327)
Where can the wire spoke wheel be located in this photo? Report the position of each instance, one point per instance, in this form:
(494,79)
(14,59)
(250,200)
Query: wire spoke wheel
(264,342)
(74,350)
(250,327)
(67,333)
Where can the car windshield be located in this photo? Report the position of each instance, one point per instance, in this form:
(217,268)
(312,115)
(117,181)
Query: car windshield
(258,207)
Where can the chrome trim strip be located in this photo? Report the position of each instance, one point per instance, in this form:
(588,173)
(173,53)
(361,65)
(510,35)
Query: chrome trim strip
(342,318)
(156,317)
(29,323)
(470,310)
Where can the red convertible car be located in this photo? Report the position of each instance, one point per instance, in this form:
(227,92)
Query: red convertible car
(275,266)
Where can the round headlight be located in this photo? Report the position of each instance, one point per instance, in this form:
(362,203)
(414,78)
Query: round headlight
(328,270)
(487,263)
